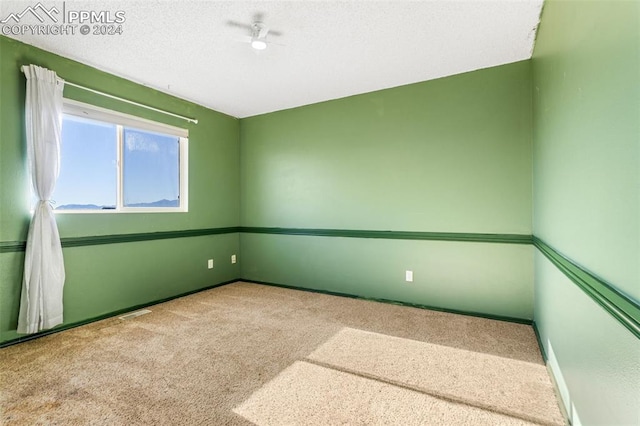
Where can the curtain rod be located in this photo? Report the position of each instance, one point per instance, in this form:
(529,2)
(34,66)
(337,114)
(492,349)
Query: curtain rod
(191,120)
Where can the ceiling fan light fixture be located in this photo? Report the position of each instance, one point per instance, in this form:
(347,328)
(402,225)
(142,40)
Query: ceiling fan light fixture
(258,44)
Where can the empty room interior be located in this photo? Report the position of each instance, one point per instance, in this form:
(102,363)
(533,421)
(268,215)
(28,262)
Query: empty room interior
(281,213)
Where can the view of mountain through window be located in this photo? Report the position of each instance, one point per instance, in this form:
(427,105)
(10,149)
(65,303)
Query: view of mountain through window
(151,169)
(108,166)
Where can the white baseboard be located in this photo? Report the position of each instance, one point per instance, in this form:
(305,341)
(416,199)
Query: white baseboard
(561,387)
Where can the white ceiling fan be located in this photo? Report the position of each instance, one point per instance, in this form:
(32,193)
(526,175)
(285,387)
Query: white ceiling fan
(258,32)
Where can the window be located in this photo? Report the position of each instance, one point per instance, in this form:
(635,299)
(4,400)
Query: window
(113,162)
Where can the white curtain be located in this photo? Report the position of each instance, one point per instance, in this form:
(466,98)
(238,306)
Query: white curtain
(41,300)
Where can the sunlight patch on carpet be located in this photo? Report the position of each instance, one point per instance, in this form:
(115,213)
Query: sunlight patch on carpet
(513,387)
(309,394)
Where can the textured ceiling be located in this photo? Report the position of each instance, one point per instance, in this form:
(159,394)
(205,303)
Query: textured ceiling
(326,50)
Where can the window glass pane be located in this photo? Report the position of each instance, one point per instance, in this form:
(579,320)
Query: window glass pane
(88,172)
(151,174)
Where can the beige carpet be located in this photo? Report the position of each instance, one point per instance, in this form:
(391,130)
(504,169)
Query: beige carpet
(251,354)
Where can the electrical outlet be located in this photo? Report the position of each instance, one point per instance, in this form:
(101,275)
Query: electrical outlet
(210,264)
(408,276)
(233,258)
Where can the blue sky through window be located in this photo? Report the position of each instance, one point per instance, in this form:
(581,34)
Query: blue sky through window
(88,173)
(151,169)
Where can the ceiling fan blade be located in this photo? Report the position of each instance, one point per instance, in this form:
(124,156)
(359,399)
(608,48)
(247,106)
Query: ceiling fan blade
(239,25)
(264,30)
(269,42)
(258,16)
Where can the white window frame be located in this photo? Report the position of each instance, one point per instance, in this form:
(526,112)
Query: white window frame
(121,120)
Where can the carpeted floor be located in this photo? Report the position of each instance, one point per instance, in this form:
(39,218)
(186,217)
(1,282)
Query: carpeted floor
(250,354)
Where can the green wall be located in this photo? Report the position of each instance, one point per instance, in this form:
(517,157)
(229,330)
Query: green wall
(106,278)
(587,198)
(449,155)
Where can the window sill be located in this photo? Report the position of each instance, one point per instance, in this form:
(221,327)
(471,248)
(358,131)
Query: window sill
(127,210)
